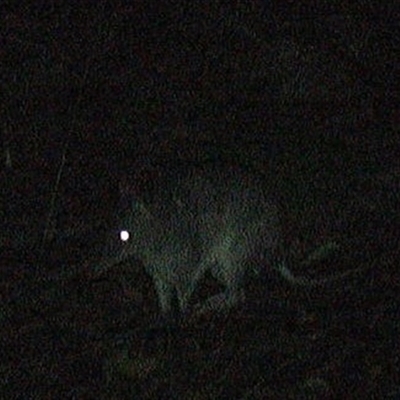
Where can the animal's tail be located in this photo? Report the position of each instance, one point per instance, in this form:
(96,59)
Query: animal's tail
(311,282)
(320,253)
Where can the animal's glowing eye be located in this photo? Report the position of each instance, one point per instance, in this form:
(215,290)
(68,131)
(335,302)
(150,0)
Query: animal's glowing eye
(124,236)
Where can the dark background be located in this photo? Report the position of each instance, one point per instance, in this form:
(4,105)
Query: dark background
(93,94)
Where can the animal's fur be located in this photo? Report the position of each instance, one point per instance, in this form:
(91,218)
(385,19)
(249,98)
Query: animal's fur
(186,224)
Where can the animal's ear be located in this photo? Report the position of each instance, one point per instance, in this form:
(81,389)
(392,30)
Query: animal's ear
(136,183)
(135,205)
(127,187)
(128,193)
(139,207)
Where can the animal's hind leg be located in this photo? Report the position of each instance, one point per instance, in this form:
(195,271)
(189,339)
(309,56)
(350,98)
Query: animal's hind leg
(230,275)
(221,302)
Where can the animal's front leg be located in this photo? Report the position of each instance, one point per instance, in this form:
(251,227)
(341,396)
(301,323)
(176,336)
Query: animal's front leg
(164,294)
